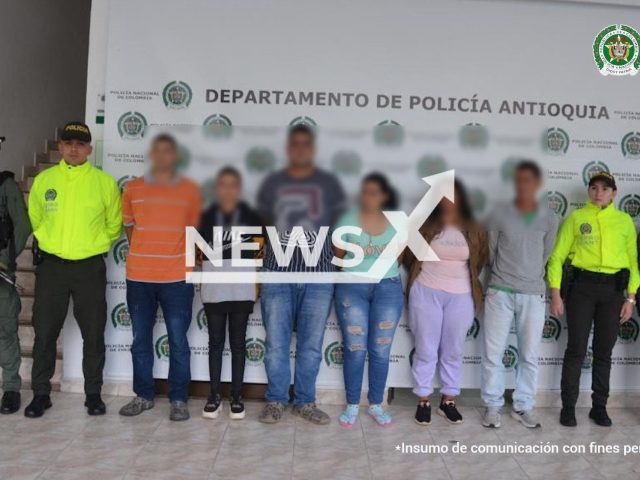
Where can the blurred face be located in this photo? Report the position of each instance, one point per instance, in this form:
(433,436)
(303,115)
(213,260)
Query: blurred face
(601,194)
(372,198)
(448,207)
(527,184)
(74,152)
(164,156)
(227,189)
(301,150)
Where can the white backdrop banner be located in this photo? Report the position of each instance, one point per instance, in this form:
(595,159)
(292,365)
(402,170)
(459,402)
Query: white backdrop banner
(522,74)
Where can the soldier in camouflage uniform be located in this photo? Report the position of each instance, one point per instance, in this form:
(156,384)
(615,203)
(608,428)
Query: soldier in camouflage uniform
(14,231)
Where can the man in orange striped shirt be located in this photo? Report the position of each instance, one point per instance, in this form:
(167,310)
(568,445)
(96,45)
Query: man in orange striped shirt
(156,209)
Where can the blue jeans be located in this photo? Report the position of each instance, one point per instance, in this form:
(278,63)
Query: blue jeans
(500,310)
(307,306)
(368,316)
(176,301)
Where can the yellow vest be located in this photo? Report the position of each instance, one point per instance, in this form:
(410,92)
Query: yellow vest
(600,239)
(75,211)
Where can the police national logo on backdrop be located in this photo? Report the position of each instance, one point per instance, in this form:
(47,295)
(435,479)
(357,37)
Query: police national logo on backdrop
(628,331)
(631,145)
(334,355)
(615,50)
(162,347)
(131,125)
(120,317)
(630,204)
(346,162)
(557,203)
(557,141)
(593,168)
(255,348)
(218,127)
(120,252)
(552,329)
(260,160)
(177,95)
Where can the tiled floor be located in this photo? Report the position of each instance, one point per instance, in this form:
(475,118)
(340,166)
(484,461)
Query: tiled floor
(68,444)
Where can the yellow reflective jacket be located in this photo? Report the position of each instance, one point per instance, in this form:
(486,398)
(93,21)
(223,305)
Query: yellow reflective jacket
(75,211)
(600,239)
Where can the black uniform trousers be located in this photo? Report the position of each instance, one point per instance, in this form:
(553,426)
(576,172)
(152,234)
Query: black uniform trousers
(591,301)
(85,282)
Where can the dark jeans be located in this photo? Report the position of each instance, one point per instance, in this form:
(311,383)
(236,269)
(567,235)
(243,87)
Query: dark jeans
(217,323)
(56,282)
(176,301)
(598,304)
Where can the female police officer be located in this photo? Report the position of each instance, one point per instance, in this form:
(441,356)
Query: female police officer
(602,241)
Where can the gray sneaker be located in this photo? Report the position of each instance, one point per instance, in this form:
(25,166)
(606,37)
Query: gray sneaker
(312,414)
(136,407)
(179,411)
(492,417)
(527,418)
(271,413)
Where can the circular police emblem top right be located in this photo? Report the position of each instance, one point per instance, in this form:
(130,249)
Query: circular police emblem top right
(631,145)
(615,50)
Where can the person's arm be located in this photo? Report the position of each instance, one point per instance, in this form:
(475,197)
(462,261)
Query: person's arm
(264,201)
(550,237)
(632,252)
(339,204)
(35,205)
(113,213)
(563,245)
(493,234)
(19,216)
(195,209)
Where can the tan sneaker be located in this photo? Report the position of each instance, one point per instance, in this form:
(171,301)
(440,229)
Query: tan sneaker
(271,413)
(312,414)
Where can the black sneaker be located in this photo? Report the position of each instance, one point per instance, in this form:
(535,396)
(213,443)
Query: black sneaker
(212,408)
(95,405)
(599,415)
(423,413)
(449,411)
(568,417)
(236,409)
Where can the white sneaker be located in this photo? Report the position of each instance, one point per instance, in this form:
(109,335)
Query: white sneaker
(527,418)
(492,417)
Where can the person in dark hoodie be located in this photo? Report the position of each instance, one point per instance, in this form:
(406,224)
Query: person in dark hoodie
(227,301)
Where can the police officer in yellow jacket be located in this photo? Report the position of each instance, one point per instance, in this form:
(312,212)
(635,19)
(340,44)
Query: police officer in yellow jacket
(75,212)
(601,242)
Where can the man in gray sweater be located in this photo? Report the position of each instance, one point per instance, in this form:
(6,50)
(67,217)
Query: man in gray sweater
(521,238)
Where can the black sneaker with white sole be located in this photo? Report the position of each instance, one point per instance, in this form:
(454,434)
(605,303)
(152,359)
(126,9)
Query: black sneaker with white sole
(423,413)
(449,411)
(236,409)
(212,408)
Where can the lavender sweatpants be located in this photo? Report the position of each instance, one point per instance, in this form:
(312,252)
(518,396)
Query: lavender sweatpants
(439,322)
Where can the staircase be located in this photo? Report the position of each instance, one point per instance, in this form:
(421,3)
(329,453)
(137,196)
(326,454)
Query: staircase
(26,271)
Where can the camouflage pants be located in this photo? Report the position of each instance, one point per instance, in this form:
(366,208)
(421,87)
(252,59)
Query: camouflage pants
(9,341)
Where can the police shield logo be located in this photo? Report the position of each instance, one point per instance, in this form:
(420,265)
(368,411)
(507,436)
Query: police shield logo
(346,162)
(260,160)
(615,50)
(552,329)
(508,169)
(478,200)
(131,125)
(557,203)
(585,228)
(177,95)
(557,141)
(587,363)
(474,330)
(217,126)
(120,317)
(50,195)
(431,165)
(388,132)
(630,204)
(162,347)
(120,252)
(473,135)
(631,145)
(593,168)
(255,348)
(628,331)
(510,358)
(122,181)
(201,320)
(303,120)
(334,355)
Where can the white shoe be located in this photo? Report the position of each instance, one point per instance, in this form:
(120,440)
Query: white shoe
(492,417)
(527,418)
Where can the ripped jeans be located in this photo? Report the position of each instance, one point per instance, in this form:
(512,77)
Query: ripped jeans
(368,316)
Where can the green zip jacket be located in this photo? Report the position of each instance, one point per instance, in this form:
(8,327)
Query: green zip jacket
(12,201)
(601,240)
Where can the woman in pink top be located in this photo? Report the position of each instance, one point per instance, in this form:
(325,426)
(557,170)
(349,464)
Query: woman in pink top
(443,298)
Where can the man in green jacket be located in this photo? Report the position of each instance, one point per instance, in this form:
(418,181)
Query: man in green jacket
(14,231)
(75,212)
(604,264)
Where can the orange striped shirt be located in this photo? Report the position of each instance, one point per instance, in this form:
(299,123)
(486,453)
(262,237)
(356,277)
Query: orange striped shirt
(159,214)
